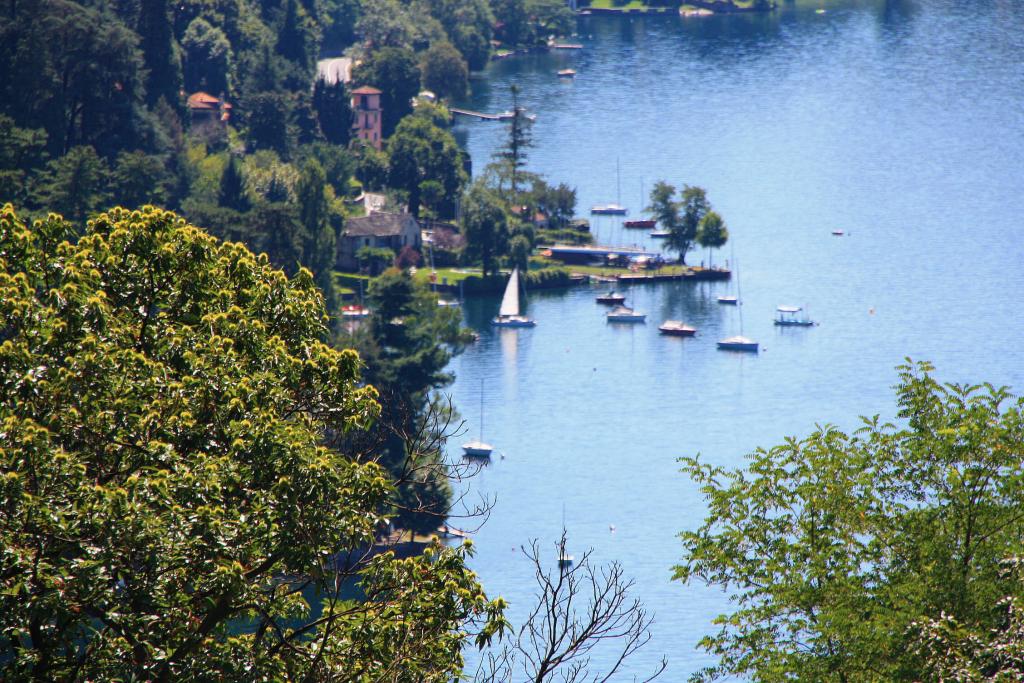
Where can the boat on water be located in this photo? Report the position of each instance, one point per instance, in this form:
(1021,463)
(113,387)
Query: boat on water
(611,298)
(567,73)
(640,224)
(660,234)
(625,314)
(612,209)
(738,343)
(478,448)
(508,314)
(728,300)
(616,208)
(838,233)
(677,328)
(789,316)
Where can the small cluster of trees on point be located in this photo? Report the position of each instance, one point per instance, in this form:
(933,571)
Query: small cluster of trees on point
(688,218)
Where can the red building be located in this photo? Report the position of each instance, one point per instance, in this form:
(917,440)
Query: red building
(366,113)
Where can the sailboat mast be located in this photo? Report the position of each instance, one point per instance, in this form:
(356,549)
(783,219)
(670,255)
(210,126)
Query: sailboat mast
(739,296)
(618,184)
(481,410)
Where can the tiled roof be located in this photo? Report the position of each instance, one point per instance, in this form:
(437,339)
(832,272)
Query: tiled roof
(379,224)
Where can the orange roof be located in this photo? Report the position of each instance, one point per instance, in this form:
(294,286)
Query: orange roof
(202,100)
(366,90)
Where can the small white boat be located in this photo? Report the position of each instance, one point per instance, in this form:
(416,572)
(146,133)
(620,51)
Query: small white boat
(677,328)
(612,209)
(624,314)
(838,233)
(738,343)
(728,300)
(567,73)
(565,560)
(444,303)
(478,449)
(611,298)
(660,234)
(788,316)
(508,314)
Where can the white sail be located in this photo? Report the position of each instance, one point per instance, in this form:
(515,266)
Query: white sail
(510,302)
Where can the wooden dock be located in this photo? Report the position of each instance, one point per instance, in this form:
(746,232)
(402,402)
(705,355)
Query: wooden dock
(479,114)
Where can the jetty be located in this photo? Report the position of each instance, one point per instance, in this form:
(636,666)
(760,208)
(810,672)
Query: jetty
(503,116)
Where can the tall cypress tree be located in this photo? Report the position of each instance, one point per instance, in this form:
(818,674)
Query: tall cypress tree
(160,51)
(232,187)
(319,247)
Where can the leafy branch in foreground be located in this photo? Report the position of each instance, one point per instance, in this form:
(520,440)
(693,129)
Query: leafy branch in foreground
(835,547)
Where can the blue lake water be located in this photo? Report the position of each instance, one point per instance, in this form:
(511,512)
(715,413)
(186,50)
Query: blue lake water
(901,123)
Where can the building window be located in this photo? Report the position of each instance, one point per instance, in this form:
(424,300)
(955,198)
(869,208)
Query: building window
(366,242)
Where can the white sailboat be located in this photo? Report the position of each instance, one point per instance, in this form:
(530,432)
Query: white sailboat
(739,342)
(478,449)
(508,314)
(615,209)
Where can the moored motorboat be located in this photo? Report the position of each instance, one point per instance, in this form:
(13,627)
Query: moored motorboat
(728,300)
(567,73)
(639,224)
(611,298)
(788,316)
(660,234)
(738,343)
(624,314)
(612,209)
(677,328)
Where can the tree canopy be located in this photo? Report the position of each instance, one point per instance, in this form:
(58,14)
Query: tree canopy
(173,504)
(836,548)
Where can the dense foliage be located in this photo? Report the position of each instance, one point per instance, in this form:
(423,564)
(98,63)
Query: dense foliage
(169,495)
(843,551)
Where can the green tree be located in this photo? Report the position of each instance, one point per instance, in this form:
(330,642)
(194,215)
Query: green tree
(21,151)
(468,24)
(421,151)
(333,111)
(511,157)
(695,206)
(74,185)
(557,202)
(165,401)
(519,252)
(160,51)
(444,71)
(208,58)
(140,178)
(319,249)
(485,226)
(269,118)
(371,166)
(232,193)
(396,73)
(92,94)
(551,17)
(836,547)
(712,233)
(411,341)
(514,19)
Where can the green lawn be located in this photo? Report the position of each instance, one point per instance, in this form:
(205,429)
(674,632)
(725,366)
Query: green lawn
(615,4)
(453,275)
